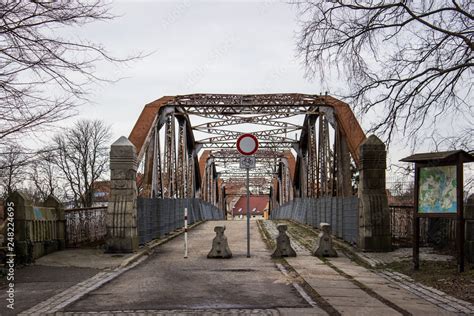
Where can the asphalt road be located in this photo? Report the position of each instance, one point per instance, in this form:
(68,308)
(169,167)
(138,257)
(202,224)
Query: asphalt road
(168,281)
(35,283)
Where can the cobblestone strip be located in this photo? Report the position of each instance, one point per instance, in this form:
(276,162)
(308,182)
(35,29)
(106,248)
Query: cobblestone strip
(430,294)
(75,292)
(205,312)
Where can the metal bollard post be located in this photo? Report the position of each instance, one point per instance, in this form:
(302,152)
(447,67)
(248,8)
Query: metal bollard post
(185,232)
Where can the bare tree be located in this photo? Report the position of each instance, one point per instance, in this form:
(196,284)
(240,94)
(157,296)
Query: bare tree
(43,75)
(45,176)
(411,62)
(13,163)
(82,156)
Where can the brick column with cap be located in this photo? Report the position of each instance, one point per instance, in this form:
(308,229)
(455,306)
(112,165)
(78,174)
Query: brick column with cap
(374,214)
(122,235)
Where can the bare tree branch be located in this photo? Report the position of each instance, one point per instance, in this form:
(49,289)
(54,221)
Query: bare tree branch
(44,76)
(82,155)
(411,62)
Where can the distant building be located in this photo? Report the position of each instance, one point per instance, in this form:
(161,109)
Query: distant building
(101,193)
(258,207)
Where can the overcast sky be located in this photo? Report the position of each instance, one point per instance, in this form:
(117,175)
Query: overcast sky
(197,47)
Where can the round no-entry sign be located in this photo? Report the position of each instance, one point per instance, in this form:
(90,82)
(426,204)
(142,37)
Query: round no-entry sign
(247,144)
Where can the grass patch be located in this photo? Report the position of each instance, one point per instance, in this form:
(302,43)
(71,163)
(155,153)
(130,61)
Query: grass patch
(440,275)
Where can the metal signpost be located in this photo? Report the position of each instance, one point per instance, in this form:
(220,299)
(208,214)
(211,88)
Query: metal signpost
(185,232)
(247,145)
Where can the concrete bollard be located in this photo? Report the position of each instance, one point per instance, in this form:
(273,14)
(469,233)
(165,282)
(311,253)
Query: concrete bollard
(283,245)
(323,245)
(220,247)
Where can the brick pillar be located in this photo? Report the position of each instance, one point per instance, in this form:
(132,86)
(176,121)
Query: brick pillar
(374,214)
(469,216)
(122,233)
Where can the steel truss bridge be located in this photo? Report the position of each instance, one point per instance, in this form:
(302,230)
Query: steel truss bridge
(186,146)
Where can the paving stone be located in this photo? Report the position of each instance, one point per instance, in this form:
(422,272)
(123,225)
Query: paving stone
(365,311)
(356,301)
(336,292)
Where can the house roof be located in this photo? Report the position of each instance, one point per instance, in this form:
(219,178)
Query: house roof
(259,203)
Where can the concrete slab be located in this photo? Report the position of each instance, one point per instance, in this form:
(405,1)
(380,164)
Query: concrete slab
(369,280)
(300,312)
(355,300)
(337,291)
(365,311)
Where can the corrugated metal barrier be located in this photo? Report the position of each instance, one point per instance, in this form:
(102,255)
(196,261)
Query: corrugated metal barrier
(158,217)
(341,212)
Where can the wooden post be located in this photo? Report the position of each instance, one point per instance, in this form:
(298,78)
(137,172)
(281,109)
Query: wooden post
(460,216)
(416,222)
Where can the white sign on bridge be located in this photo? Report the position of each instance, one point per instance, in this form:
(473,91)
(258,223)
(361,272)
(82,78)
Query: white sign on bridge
(247,162)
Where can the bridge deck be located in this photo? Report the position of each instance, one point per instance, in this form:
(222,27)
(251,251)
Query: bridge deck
(168,281)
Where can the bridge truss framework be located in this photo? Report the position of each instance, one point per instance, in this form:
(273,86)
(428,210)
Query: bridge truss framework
(321,161)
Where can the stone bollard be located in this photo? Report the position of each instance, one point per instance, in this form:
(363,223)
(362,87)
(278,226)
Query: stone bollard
(374,214)
(469,216)
(121,220)
(283,245)
(220,247)
(323,245)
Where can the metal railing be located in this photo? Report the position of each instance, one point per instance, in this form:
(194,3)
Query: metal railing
(432,231)
(85,226)
(158,217)
(401,223)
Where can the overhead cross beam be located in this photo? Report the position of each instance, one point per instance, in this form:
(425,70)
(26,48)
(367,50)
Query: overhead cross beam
(316,163)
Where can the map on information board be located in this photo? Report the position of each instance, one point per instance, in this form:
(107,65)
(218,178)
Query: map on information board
(438,189)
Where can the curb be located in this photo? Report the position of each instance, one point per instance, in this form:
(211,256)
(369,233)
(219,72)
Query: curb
(148,247)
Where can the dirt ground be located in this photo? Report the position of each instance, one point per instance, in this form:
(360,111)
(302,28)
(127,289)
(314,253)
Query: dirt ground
(440,275)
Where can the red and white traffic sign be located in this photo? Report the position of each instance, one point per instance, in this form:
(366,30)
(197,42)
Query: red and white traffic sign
(247,144)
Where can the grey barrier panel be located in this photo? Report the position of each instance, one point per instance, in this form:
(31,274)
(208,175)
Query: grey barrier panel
(158,217)
(351,220)
(340,218)
(333,215)
(140,220)
(148,220)
(340,212)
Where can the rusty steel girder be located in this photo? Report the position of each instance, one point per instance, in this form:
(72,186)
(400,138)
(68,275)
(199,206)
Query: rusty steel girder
(317,163)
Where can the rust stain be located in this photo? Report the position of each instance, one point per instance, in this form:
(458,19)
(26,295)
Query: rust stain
(349,126)
(145,120)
